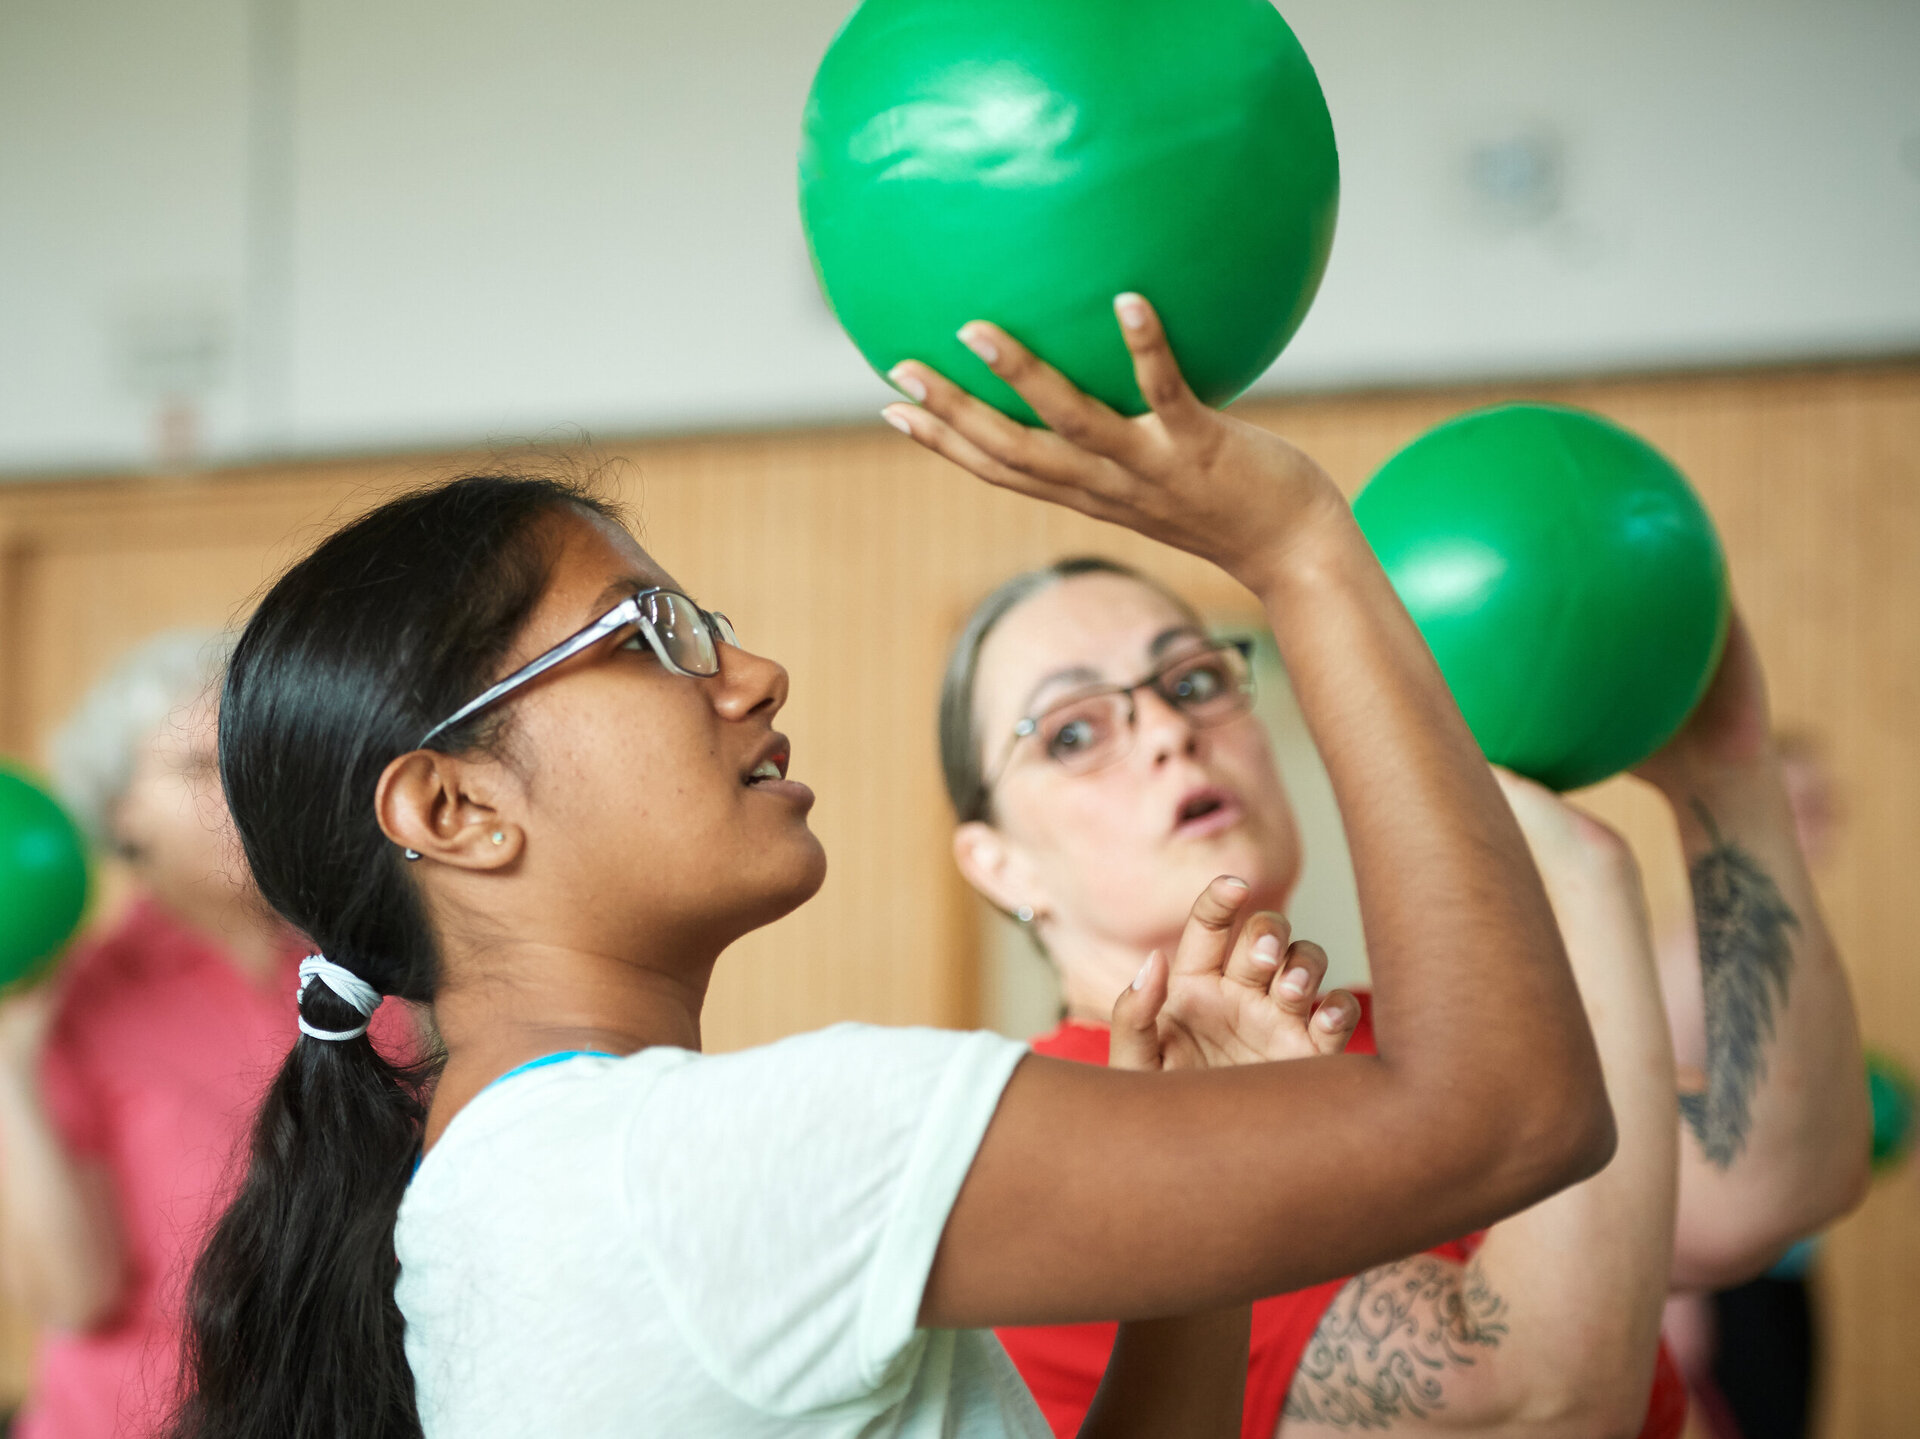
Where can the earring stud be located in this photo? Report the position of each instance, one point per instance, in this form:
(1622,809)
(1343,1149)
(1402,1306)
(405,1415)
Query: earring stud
(498,836)
(1024,914)
(410,854)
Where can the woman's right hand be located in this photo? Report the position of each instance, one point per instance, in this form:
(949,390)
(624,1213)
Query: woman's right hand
(1236,991)
(1183,474)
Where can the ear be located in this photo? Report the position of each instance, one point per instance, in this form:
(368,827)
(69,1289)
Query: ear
(447,809)
(994,866)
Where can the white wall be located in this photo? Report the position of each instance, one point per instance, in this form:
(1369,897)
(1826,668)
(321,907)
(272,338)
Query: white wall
(353,225)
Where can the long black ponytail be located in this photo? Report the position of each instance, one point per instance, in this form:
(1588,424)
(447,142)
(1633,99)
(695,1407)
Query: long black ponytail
(390,624)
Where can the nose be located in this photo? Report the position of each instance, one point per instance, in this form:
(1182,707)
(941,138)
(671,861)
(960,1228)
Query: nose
(1164,733)
(748,684)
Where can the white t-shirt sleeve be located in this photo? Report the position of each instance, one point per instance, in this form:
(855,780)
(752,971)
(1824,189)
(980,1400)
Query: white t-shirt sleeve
(789,1200)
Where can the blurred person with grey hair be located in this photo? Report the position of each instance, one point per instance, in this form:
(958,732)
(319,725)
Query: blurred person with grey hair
(128,1079)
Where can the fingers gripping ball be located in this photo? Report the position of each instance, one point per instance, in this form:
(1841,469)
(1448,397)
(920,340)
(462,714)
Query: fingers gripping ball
(43,878)
(1566,577)
(1024,161)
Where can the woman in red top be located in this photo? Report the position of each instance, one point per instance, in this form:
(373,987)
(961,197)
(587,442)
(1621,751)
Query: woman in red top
(1102,756)
(128,1081)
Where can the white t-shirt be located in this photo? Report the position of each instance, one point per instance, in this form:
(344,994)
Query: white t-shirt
(686,1245)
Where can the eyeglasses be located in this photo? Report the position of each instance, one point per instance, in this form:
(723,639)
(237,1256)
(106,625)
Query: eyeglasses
(678,631)
(1095,728)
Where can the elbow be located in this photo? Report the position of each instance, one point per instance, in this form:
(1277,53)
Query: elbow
(1531,1141)
(1725,1244)
(1565,1135)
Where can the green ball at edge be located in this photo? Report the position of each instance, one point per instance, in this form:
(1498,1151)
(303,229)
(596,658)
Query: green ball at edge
(1890,1093)
(1566,577)
(43,878)
(1024,161)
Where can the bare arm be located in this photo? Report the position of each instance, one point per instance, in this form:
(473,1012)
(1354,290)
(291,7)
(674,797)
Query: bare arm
(59,1236)
(1775,1145)
(1552,1328)
(1102,1195)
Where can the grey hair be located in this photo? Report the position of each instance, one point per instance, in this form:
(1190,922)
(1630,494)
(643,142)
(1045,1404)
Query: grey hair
(961,759)
(93,753)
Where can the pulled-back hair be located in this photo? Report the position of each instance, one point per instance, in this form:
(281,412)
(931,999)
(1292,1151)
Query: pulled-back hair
(389,625)
(961,756)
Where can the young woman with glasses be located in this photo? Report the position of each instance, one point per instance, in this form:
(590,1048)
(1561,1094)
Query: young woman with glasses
(1102,758)
(489,758)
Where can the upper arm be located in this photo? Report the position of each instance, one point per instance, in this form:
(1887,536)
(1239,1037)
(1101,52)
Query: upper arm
(1104,1195)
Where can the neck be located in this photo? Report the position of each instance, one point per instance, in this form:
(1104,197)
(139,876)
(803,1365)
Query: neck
(502,1005)
(1094,972)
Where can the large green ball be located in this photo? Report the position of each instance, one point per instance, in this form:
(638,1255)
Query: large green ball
(1024,161)
(1566,577)
(43,878)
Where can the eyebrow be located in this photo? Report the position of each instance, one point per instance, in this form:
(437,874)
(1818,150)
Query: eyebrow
(1086,674)
(623,588)
(1168,638)
(1079,674)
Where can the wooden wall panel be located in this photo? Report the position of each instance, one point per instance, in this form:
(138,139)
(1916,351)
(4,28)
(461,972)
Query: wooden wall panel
(851,556)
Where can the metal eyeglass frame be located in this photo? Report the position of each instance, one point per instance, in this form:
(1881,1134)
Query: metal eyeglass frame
(627,612)
(1031,723)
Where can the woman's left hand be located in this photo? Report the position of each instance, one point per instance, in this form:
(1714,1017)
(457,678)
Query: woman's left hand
(1236,991)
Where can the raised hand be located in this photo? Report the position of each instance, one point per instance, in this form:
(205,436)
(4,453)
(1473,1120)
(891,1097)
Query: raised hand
(1730,729)
(1237,991)
(1183,474)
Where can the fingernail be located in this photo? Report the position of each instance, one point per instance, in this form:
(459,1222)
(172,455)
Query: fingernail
(1140,979)
(974,337)
(908,384)
(1234,881)
(1266,950)
(1132,309)
(897,420)
(1332,1016)
(1294,982)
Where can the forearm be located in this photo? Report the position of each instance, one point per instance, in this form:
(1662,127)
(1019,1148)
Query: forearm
(1775,1145)
(1453,907)
(59,1245)
(1185,1376)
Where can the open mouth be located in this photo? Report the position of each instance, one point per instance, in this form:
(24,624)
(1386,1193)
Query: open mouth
(772,765)
(1206,811)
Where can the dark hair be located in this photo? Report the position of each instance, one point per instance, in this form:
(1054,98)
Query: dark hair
(391,624)
(961,760)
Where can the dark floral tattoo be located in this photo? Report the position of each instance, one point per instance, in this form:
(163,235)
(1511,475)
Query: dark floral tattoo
(1746,958)
(1389,1341)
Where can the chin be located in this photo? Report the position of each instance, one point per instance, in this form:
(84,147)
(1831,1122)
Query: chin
(798,872)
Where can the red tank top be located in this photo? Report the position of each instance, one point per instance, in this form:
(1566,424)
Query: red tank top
(1063,1363)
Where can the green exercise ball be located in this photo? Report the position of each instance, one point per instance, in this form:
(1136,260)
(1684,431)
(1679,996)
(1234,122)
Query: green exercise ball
(43,878)
(1890,1091)
(1024,161)
(1566,577)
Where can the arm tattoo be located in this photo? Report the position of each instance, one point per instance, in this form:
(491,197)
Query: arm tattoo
(1746,957)
(1388,1341)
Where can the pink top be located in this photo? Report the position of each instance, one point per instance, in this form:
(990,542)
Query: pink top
(160,1052)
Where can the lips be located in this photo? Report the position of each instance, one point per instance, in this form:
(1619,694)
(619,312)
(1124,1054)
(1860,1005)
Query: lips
(1207,810)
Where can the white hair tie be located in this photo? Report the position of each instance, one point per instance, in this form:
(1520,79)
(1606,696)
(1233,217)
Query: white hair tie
(343,982)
